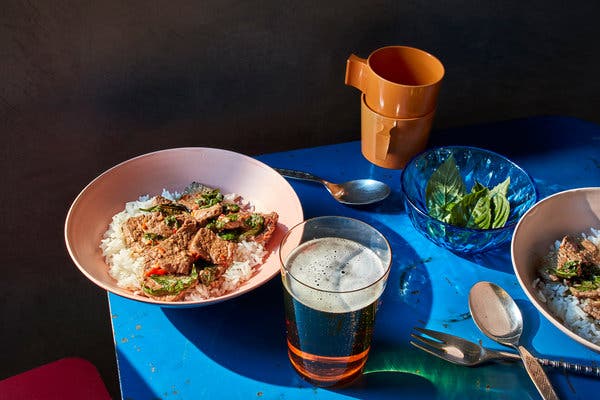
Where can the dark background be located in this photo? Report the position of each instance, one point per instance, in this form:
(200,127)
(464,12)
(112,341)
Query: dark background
(85,85)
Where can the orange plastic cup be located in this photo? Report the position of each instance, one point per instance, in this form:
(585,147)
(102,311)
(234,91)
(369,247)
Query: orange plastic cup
(392,142)
(397,81)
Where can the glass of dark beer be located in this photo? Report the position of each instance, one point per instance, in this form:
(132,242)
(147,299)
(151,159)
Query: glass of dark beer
(334,270)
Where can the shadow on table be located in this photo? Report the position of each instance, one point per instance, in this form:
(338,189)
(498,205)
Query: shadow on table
(531,323)
(247,334)
(137,386)
(390,385)
(404,372)
(496,259)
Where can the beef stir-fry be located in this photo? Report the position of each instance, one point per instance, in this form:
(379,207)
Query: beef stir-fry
(577,265)
(192,240)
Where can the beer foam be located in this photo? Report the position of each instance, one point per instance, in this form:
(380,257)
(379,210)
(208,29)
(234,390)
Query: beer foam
(327,266)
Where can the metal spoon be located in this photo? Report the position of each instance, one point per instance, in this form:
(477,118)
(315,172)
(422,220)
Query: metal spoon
(357,192)
(498,316)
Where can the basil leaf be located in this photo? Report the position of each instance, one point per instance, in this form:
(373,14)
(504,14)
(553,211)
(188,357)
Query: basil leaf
(208,275)
(167,208)
(152,237)
(448,201)
(473,210)
(586,286)
(459,213)
(171,284)
(444,188)
(502,188)
(446,213)
(209,199)
(256,224)
(481,217)
(231,235)
(477,187)
(500,210)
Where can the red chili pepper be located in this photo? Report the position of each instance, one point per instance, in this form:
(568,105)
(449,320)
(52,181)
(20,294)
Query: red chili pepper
(157,271)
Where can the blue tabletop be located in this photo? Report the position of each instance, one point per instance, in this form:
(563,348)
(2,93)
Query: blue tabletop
(237,350)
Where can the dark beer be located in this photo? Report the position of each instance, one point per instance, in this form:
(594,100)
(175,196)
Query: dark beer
(332,286)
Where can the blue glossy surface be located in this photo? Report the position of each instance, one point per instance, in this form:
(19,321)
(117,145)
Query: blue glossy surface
(475,165)
(236,349)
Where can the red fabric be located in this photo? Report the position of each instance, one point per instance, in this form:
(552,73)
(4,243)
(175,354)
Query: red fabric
(65,379)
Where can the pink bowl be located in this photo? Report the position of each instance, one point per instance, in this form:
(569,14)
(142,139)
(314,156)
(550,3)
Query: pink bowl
(174,169)
(572,212)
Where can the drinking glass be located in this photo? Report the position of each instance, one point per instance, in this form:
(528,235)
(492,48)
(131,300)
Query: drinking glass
(334,270)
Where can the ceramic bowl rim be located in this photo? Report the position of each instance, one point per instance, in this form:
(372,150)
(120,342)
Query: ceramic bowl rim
(79,263)
(518,271)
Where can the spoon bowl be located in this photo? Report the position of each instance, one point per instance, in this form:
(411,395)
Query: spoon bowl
(499,318)
(355,193)
(495,313)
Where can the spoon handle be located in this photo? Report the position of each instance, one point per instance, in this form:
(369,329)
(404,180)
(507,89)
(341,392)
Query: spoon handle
(537,374)
(306,176)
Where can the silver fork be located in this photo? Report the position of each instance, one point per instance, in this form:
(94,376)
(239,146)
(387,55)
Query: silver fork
(463,352)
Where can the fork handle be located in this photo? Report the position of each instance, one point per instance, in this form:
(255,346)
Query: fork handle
(571,367)
(576,368)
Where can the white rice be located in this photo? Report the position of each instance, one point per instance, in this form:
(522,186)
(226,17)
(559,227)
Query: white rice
(127,268)
(567,307)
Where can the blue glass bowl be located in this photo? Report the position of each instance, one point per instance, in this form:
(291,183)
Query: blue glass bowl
(474,164)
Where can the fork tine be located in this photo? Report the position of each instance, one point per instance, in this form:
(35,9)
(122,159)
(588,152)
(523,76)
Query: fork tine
(441,336)
(434,346)
(433,352)
(430,342)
